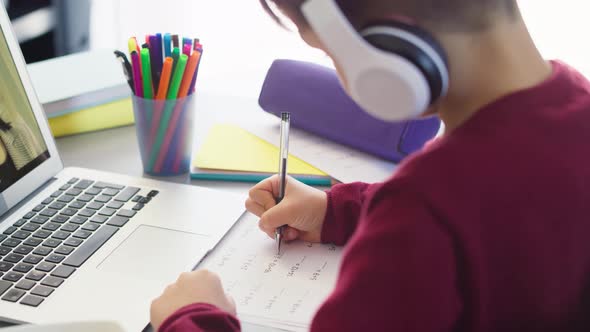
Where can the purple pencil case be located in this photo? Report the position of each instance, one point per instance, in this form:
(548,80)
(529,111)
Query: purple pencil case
(318,104)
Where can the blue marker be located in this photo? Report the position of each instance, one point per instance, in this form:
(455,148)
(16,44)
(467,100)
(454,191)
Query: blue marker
(167,45)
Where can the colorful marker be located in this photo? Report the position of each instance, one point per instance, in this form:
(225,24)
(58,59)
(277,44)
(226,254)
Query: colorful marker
(187,41)
(190,72)
(148,90)
(156,60)
(165,78)
(158,154)
(186,50)
(167,45)
(161,95)
(177,77)
(175,56)
(136,74)
(134,46)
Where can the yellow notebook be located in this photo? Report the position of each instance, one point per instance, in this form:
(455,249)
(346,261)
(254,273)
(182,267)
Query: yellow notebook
(110,115)
(234,154)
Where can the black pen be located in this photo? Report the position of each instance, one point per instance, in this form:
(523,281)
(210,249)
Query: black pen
(283,157)
(126,68)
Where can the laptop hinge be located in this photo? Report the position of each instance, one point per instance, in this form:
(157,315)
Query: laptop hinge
(25,200)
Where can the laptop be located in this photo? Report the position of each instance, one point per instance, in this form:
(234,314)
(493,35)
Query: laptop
(79,244)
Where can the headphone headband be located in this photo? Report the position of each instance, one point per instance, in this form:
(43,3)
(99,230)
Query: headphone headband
(327,20)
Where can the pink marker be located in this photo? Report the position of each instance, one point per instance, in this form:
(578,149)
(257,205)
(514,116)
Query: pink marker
(186,49)
(136,74)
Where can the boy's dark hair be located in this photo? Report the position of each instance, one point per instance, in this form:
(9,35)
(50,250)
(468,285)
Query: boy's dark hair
(458,15)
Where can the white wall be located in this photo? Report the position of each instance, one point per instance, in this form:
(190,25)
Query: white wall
(241,40)
(561,29)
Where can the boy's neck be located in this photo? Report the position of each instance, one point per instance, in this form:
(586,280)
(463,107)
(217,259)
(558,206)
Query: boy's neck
(487,66)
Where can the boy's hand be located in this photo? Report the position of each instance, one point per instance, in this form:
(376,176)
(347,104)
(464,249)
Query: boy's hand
(199,286)
(303,209)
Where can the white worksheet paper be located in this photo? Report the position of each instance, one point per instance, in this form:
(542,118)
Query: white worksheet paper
(282,290)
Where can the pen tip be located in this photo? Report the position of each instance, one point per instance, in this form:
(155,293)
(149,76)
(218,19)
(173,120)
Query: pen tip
(278,241)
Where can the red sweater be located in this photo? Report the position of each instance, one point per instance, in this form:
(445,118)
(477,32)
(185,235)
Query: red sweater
(488,229)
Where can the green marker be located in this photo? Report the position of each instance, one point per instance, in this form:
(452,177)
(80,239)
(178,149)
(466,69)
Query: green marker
(165,120)
(175,56)
(146,72)
(177,77)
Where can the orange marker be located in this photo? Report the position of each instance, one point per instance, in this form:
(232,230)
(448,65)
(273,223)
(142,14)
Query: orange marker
(136,43)
(165,78)
(189,73)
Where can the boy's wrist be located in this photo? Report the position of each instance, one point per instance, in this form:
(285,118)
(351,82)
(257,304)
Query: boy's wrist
(328,224)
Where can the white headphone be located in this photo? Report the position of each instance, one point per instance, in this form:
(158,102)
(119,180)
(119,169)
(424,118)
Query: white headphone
(394,71)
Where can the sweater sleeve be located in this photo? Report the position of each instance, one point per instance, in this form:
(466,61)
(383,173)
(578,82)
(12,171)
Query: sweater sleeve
(398,272)
(200,317)
(345,202)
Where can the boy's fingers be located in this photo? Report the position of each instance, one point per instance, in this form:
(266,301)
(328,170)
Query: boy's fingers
(254,207)
(291,234)
(269,231)
(266,185)
(263,198)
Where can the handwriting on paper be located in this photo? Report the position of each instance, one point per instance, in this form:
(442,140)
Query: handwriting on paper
(288,286)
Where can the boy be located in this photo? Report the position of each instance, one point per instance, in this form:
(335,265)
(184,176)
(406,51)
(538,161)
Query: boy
(486,229)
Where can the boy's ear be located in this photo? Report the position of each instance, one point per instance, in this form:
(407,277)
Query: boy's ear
(311,39)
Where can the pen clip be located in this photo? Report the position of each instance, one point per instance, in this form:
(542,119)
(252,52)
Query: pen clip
(126,68)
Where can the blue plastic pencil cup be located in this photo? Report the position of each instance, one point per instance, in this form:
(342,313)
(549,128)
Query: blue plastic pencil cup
(165,132)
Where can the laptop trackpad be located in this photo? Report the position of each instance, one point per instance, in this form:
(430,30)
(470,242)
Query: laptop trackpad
(156,254)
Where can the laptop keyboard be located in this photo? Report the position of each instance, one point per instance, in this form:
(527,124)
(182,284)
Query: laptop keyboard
(46,246)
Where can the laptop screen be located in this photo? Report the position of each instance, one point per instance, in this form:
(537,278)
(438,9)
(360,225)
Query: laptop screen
(22,147)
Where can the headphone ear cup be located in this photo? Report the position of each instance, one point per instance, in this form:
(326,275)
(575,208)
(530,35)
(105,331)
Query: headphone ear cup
(382,79)
(417,47)
(389,88)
